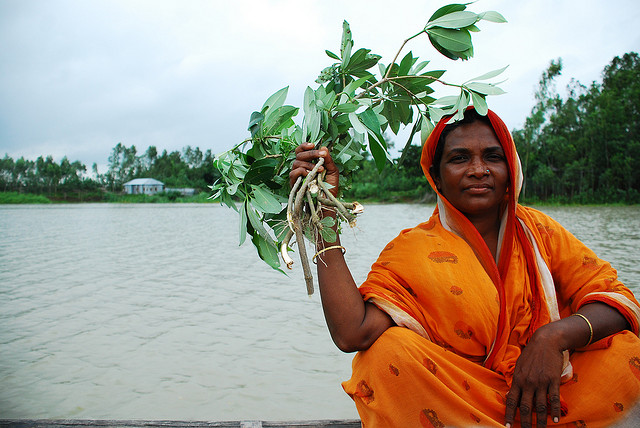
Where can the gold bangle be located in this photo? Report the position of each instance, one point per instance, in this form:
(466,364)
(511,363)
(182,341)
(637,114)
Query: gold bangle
(590,327)
(333,247)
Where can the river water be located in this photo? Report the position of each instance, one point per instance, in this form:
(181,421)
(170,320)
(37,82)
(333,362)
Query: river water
(155,312)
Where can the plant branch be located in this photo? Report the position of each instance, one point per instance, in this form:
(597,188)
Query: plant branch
(398,53)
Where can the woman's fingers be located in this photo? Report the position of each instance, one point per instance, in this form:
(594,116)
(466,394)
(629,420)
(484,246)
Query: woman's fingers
(306,156)
(513,399)
(541,403)
(554,401)
(303,164)
(541,407)
(304,147)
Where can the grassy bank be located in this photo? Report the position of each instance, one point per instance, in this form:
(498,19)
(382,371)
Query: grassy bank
(417,196)
(22,198)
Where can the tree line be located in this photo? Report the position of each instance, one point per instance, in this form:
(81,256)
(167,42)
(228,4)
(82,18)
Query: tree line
(187,168)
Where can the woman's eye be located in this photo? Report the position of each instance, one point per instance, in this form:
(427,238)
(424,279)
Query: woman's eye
(457,159)
(495,157)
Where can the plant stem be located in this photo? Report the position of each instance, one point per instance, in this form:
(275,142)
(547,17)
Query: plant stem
(308,278)
(398,53)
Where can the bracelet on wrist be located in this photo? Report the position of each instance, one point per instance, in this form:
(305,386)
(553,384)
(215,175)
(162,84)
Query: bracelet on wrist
(333,247)
(589,324)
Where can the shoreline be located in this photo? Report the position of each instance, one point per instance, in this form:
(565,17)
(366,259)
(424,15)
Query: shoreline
(16,198)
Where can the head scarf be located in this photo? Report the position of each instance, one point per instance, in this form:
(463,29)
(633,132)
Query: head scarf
(510,229)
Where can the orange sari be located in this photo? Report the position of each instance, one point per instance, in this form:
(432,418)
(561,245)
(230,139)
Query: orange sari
(463,319)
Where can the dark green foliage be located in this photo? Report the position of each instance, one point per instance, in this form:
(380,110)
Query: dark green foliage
(403,182)
(585,148)
(44,176)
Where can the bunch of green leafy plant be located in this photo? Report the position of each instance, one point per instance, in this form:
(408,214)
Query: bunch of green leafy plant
(348,112)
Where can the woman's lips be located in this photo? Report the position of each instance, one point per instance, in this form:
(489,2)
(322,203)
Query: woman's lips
(478,189)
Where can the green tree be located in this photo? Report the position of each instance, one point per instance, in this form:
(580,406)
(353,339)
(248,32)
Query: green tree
(585,147)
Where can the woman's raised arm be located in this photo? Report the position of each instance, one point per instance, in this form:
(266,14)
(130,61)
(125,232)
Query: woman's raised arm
(353,323)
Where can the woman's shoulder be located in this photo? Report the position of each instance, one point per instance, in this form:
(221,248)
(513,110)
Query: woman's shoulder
(536,217)
(431,226)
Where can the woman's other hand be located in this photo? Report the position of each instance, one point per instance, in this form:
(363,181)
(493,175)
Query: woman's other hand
(536,380)
(306,155)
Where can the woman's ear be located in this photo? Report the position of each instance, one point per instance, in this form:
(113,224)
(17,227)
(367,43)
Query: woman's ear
(435,178)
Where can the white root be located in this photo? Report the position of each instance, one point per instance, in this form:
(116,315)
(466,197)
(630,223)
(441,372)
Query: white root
(313,188)
(284,250)
(358,208)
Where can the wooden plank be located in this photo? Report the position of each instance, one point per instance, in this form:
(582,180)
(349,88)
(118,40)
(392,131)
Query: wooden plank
(98,423)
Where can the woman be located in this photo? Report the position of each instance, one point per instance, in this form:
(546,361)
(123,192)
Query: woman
(489,313)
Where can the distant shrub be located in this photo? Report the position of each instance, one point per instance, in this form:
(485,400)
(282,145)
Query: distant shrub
(22,198)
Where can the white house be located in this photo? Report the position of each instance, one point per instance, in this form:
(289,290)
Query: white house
(143,186)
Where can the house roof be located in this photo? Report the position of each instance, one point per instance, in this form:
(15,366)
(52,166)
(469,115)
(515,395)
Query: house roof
(144,182)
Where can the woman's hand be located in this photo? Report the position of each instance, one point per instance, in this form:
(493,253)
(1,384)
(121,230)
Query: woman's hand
(536,379)
(304,163)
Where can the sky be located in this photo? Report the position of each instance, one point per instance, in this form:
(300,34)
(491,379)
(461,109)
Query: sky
(79,76)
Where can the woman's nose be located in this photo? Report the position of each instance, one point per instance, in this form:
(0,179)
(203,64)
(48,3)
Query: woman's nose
(478,168)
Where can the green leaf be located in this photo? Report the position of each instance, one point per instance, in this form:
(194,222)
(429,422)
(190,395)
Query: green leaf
(406,64)
(329,235)
(274,101)
(461,105)
(232,189)
(261,170)
(226,199)
(419,67)
(425,129)
(489,75)
(436,74)
(329,99)
(447,101)
(414,130)
(279,119)
(357,125)
(346,44)
(256,222)
(370,120)
(479,103)
(379,151)
(357,57)
(444,10)
(256,118)
(265,201)
(443,51)
(312,117)
(492,16)
(346,108)
(351,87)
(278,223)
(243,223)
(332,55)
(484,88)
(436,113)
(328,222)
(452,40)
(458,19)
(267,251)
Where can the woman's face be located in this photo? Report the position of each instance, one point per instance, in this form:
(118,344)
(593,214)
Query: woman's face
(469,151)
